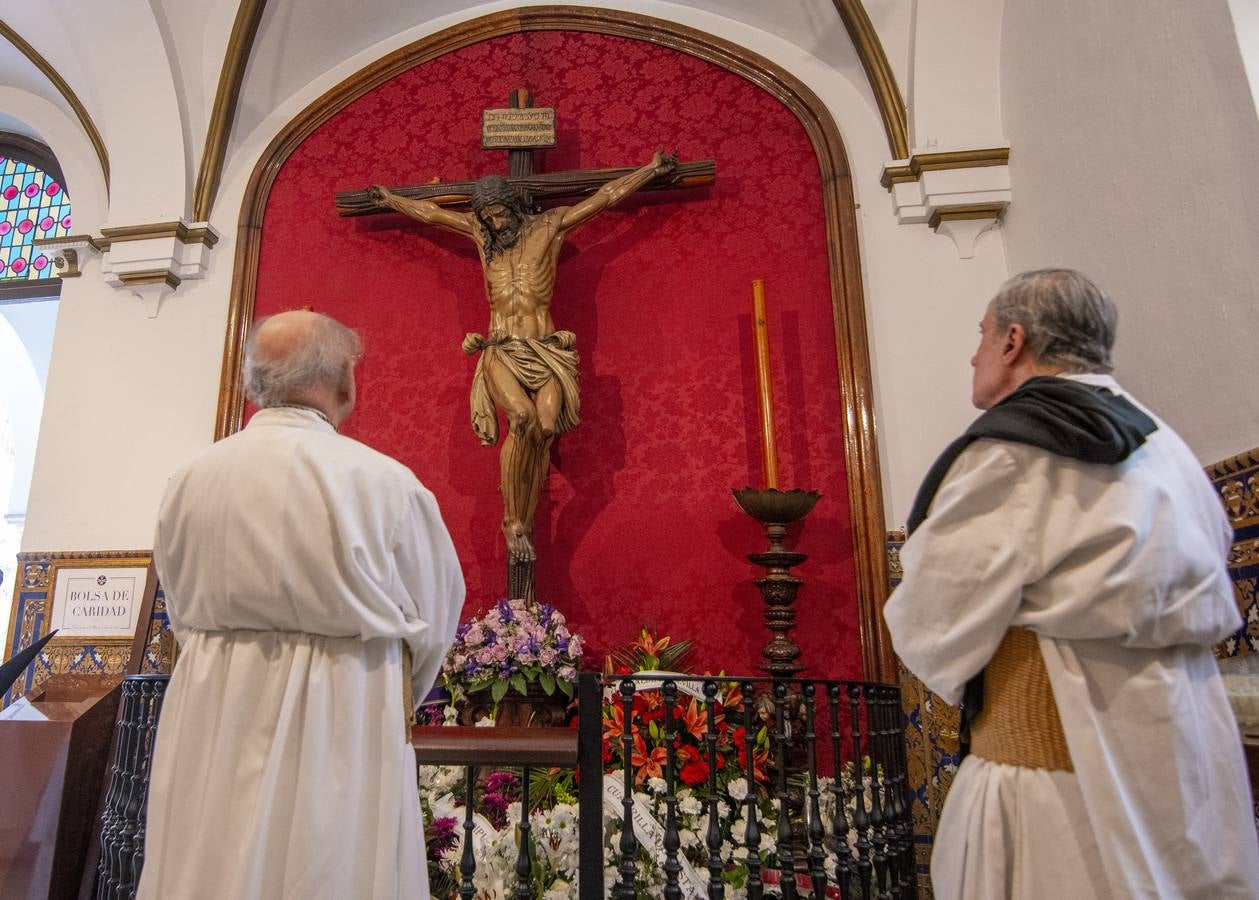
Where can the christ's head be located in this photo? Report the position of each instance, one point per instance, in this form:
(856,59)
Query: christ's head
(501,209)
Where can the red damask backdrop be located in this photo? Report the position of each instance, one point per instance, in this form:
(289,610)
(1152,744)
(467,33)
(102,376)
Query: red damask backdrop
(636,525)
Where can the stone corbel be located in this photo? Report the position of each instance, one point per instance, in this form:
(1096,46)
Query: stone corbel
(959,193)
(69,253)
(152,261)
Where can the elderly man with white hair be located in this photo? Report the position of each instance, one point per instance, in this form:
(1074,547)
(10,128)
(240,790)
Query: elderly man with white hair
(1065,575)
(310,581)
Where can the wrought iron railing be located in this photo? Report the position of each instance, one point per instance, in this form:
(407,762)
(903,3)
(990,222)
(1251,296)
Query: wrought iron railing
(126,801)
(831,776)
(834,785)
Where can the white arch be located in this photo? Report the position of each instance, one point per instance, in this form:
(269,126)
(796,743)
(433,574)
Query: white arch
(23,398)
(85,183)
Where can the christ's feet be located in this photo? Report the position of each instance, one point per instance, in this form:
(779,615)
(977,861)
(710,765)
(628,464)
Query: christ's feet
(519,543)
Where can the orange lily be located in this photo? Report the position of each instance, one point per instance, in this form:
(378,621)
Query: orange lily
(647,765)
(614,725)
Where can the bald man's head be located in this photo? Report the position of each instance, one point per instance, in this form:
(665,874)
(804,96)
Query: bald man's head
(305,358)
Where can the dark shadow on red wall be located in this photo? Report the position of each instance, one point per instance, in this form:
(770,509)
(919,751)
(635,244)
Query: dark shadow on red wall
(636,525)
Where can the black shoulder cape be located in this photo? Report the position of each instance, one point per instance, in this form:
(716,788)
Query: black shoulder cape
(1068,418)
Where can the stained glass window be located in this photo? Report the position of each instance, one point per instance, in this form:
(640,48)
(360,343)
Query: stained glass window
(32,205)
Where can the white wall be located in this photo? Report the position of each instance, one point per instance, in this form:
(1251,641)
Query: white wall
(1134,152)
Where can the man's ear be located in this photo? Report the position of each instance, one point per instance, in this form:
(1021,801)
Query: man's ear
(1013,343)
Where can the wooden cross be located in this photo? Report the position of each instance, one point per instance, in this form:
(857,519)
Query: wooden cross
(542,187)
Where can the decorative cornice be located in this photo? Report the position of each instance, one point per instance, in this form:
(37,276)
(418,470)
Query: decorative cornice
(882,80)
(66,92)
(94,242)
(196,234)
(69,252)
(855,380)
(235,59)
(912,169)
(963,212)
(149,276)
(152,260)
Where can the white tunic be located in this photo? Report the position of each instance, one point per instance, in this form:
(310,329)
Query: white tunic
(1121,572)
(293,560)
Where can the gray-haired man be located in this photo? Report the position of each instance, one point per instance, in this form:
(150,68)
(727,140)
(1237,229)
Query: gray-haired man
(1065,576)
(301,571)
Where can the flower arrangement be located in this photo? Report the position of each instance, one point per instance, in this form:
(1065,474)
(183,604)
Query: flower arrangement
(515,644)
(553,816)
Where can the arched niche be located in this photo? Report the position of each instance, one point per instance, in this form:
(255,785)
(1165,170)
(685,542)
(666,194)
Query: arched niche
(852,381)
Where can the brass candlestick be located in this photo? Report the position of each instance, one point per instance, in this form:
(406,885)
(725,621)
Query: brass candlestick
(776,510)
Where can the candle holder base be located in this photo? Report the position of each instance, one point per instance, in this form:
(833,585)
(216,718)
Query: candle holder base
(775,510)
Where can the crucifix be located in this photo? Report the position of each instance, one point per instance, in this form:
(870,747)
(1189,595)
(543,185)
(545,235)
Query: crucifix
(527,368)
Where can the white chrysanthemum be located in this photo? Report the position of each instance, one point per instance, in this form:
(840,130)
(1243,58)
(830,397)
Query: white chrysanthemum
(738,789)
(689,805)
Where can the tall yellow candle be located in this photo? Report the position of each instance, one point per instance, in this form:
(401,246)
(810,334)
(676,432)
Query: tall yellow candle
(765,388)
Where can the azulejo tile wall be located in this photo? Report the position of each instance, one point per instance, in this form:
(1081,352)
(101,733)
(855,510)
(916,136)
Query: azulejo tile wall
(1237,481)
(931,737)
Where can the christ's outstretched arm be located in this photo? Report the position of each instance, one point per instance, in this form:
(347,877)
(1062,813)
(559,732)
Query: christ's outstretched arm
(424,210)
(614,192)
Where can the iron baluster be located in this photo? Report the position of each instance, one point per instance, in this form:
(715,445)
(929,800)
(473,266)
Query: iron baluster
(860,819)
(628,868)
(148,736)
(716,887)
(817,855)
(843,855)
(900,808)
(786,855)
(752,833)
(467,859)
(524,831)
(878,834)
(672,841)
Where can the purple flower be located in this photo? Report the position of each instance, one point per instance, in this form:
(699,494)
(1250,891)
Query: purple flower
(440,836)
(504,783)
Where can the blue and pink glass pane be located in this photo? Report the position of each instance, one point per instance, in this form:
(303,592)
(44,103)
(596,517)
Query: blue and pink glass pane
(32,205)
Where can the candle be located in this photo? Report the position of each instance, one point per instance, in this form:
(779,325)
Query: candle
(764,386)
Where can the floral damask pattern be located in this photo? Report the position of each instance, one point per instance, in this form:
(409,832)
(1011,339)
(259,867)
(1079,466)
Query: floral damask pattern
(636,525)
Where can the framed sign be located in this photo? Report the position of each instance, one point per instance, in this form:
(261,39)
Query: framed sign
(96,601)
(107,606)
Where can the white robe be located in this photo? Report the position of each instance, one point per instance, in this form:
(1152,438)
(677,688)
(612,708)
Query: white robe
(293,560)
(1120,570)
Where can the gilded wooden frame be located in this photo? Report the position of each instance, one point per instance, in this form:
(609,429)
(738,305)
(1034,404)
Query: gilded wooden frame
(854,384)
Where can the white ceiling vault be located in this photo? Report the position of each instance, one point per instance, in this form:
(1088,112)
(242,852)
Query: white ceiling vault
(146,73)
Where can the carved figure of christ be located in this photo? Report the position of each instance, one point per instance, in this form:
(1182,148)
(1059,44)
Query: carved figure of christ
(527,368)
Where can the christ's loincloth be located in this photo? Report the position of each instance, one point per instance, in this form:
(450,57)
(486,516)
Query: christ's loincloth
(532,363)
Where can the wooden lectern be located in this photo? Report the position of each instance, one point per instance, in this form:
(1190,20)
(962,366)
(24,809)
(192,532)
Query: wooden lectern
(51,773)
